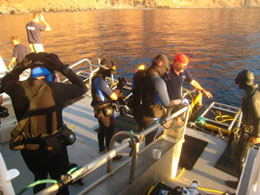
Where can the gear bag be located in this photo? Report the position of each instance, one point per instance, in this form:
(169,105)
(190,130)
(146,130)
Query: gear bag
(52,143)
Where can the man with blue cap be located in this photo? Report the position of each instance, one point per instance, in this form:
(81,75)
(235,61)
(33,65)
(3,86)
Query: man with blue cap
(38,103)
(41,73)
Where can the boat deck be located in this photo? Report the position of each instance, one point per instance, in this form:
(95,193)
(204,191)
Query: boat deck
(204,171)
(80,114)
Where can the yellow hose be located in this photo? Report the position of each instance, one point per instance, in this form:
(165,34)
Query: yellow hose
(194,101)
(72,127)
(210,190)
(223,118)
(181,173)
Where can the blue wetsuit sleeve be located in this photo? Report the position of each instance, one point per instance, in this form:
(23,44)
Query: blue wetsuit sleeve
(161,89)
(104,87)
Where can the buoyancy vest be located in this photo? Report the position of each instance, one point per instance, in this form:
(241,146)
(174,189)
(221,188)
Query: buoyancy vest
(40,118)
(100,101)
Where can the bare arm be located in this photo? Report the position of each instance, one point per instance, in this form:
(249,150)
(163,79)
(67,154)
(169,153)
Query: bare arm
(48,28)
(197,86)
(11,63)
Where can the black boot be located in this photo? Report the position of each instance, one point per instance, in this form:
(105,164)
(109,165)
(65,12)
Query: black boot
(117,157)
(232,184)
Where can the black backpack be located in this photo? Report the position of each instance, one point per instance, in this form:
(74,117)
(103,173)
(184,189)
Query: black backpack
(138,87)
(143,87)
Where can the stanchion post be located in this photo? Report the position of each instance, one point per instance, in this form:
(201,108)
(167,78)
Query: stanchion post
(6,176)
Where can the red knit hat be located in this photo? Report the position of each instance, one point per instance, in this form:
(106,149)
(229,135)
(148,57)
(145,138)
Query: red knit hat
(181,58)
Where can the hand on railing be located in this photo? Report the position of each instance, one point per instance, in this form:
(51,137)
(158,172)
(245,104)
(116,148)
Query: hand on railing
(121,107)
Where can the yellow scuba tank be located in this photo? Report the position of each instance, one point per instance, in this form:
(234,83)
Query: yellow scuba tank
(203,123)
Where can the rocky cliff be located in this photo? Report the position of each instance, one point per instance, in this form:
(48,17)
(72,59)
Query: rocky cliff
(26,6)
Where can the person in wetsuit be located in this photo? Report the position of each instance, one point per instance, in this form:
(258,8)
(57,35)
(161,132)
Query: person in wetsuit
(103,96)
(150,96)
(47,116)
(250,129)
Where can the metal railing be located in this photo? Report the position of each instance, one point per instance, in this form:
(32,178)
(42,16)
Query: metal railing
(87,73)
(107,157)
(92,68)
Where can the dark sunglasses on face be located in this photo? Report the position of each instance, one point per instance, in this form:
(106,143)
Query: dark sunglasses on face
(112,69)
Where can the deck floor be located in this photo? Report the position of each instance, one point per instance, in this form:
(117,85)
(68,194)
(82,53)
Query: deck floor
(85,150)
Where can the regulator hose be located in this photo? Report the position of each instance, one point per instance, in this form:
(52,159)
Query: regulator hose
(223,118)
(38,182)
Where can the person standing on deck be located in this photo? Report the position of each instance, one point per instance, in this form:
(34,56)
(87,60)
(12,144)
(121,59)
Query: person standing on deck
(174,79)
(179,74)
(19,52)
(103,96)
(250,131)
(38,103)
(150,96)
(33,30)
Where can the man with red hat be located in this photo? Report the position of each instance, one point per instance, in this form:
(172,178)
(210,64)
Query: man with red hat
(177,75)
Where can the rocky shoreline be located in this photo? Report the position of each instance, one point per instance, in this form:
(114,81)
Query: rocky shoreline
(29,6)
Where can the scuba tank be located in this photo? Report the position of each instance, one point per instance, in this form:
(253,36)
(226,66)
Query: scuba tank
(201,122)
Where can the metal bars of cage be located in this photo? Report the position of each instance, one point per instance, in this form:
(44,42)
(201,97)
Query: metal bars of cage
(226,108)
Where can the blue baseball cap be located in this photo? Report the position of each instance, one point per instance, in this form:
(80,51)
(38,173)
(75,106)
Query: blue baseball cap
(41,71)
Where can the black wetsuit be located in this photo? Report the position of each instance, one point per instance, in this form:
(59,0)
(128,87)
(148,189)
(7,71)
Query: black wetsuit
(153,94)
(101,93)
(250,106)
(53,99)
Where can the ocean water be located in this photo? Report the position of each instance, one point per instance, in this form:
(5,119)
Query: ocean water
(219,42)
